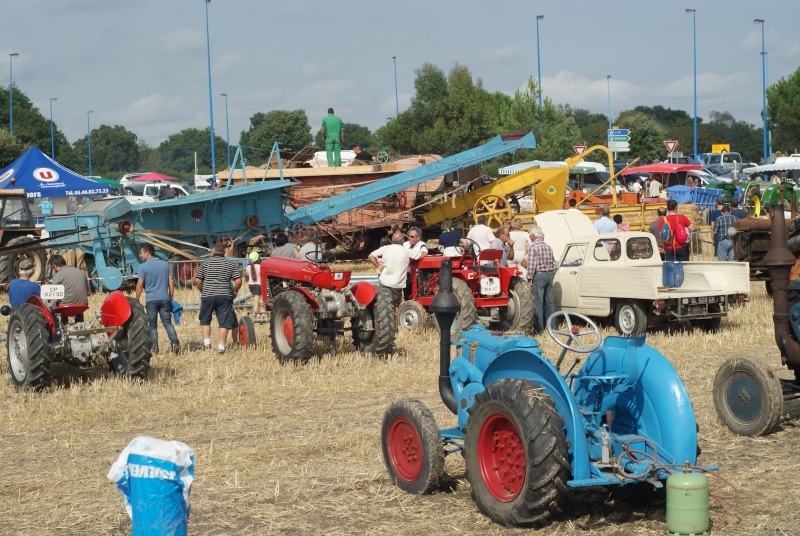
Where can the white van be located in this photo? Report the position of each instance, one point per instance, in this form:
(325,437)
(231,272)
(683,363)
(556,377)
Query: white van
(727,161)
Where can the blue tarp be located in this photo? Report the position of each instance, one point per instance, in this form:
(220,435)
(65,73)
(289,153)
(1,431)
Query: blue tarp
(43,177)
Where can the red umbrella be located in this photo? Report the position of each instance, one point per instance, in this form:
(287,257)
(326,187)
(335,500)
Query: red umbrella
(151,177)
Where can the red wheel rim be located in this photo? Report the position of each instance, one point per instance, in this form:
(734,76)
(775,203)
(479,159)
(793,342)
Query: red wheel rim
(242,335)
(288,330)
(501,456)
(187,271)
(405,449)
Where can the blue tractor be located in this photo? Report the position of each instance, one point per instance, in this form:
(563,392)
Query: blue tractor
(529,433)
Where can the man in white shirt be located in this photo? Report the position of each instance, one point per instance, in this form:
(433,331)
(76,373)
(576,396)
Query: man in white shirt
(605,224)
(481,234)
(655,188)
(415,243)
(392,263)
(636,186)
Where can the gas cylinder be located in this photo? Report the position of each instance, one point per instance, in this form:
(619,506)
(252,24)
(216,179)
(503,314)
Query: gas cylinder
(687,503)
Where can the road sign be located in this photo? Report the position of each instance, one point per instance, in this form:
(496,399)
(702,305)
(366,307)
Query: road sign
(619,138)
(579,148)
(618,132)
(619,146)
(671,145)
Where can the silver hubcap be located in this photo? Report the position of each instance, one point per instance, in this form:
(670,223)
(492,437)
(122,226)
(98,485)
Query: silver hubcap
(18,352)
(626,319)
(409,319)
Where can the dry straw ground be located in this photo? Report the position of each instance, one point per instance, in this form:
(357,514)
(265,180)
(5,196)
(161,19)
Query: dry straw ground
(296,449)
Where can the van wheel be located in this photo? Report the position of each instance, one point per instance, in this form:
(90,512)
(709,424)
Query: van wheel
(630,319)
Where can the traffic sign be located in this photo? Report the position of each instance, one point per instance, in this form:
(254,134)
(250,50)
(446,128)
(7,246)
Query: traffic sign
(619,146)
(618,132)
(619,138)
(579,148)
(671,145)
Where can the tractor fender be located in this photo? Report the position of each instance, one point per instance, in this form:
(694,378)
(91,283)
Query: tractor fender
(363,292)
(526,365)
(309,297)
(115,310)
(657,403)
(46,312)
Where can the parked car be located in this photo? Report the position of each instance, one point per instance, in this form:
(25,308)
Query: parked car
(727,161)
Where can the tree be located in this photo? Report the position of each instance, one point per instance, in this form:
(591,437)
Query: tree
(289,128)
(667,117)
(11,148)
(743,137)
(114,149)
(354,134)
(783,101)
(647,135)
(177,153)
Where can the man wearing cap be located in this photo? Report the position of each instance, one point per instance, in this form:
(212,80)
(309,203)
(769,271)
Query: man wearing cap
(219,281)
(22,288)
(156,280)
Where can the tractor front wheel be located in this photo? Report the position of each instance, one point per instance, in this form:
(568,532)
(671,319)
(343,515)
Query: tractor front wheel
(468,314)
(379,340)
(748,396)
(134,345)
(515,453)
(413,452)
(519,313)
(247,332)
(28,348)
(291,327)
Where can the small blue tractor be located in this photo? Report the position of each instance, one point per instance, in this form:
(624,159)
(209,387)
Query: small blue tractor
(529,433)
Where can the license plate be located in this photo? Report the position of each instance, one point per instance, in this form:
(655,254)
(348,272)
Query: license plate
(705,299)
(490,286)
(52,292)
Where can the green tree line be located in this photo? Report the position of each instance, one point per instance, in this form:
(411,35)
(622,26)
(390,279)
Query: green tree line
(450,112)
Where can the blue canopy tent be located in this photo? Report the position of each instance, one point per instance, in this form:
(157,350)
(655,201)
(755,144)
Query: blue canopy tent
(44,178)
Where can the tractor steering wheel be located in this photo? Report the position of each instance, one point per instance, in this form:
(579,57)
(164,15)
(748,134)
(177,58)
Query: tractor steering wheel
(473,248)
(318,256)
(573,333)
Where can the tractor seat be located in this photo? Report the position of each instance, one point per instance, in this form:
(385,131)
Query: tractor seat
(70,310)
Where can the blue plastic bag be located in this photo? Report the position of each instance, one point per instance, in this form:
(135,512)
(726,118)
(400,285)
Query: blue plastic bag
(155,477)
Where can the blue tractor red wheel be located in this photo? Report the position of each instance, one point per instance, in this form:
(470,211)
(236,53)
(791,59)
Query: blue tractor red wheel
(515,452)
(748,397)
(413,451)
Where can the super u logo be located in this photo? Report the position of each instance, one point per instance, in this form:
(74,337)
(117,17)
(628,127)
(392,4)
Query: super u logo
(44,174)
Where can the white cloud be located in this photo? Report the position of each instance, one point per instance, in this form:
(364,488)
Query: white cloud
(510,52)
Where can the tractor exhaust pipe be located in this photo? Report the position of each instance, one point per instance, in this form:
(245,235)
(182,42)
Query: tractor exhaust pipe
(779,261)
(445,306)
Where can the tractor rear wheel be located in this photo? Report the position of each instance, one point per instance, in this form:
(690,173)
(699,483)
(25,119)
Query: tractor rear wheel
(28,348)
(411,316)
(519,313)
(413,452)
(135,346)
(630,319)
(468,314)
(379,341)
(9,264)
(515,453)
(247,332)
(291,327)
(748,396)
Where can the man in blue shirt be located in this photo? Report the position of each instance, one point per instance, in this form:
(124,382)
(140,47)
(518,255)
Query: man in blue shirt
(22,288)
(605,224)
(159,286)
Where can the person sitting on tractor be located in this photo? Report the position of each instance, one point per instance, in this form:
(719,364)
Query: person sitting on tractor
(76,286)
(450,238)
(393,266)
(504,243)
(310,246)
(22,288)
(481,234)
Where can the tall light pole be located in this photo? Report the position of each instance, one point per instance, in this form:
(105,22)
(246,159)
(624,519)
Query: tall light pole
(608,84)
(11,91)
(763,84)
(396,98)
(52,138)
(89,136)
(539,63)
(227,129)
(210,101)
(694,33)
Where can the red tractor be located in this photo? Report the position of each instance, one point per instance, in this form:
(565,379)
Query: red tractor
(307,299)
(38,336)
(486,291)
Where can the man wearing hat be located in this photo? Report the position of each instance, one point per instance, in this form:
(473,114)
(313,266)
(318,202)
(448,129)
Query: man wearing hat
(22,288)
(155,278)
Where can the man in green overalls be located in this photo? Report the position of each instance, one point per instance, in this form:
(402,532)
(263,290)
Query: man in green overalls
(333,134)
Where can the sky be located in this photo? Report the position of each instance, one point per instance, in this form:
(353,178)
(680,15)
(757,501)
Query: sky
(143,64)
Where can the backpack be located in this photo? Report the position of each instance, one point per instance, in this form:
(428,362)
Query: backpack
(679,239)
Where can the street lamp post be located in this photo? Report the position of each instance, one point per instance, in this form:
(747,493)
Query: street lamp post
(11,91)
(210,102)
(608,84)
(763,85)
(52,138)
(227,129)
(89,136)
(396,98)
(694,33)
(539,63)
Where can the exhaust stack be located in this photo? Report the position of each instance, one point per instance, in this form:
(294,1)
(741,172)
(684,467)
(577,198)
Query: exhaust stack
(445,306)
